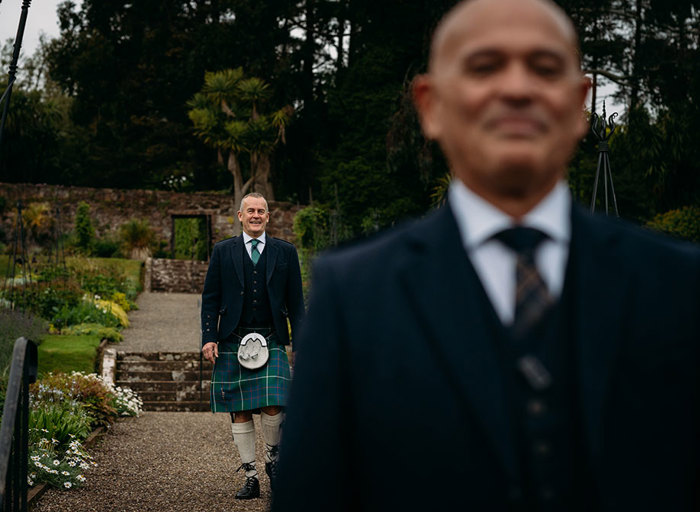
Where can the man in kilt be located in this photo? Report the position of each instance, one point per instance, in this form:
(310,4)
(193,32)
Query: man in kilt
(253,285)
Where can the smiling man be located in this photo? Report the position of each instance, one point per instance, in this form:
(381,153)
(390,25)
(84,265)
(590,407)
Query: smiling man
(508,352)
(252,287)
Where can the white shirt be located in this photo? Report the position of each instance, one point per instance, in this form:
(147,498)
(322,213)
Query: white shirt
(249,247)
(494,262)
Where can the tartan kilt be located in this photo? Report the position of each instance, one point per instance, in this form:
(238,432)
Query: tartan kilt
(235,388)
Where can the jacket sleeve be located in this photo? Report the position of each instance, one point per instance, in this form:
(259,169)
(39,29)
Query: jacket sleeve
(313,452)
(294,298)
(211,298)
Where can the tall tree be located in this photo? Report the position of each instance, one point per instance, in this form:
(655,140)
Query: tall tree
(229,115)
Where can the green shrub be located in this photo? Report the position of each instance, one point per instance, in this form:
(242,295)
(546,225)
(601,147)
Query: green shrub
(311,227)
(84,231)
(86,312)
(105,276)
(136,235)
(682,223)
(110,334)
(61,420)
(106,248)
(43,299)
(191,239)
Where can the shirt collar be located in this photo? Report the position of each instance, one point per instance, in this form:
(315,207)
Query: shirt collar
(247,238)
(478,220)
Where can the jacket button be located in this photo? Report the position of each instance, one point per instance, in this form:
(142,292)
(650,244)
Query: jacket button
(241,293)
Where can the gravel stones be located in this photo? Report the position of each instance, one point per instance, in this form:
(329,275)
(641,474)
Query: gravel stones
(164,461)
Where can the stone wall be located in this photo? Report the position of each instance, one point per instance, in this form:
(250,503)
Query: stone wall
(110,208)
(175,276)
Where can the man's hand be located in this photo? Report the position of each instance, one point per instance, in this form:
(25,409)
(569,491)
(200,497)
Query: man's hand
(211,351)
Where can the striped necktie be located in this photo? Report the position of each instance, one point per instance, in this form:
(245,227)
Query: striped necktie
(532,298)
(254,254)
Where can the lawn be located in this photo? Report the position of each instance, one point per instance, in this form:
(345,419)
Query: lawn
(59,353)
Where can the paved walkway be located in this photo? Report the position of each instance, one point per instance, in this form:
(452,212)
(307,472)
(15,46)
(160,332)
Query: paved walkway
(163,461)
(164,322)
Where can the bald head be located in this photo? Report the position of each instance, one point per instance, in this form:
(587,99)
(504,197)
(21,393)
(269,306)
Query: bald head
(471,15)
(504,96)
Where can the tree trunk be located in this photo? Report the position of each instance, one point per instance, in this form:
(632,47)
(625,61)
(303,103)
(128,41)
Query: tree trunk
(308,55)
(260,162)
(265,176)
(235,170)
(634,75)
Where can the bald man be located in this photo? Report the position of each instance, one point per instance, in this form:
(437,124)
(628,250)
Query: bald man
(508,352)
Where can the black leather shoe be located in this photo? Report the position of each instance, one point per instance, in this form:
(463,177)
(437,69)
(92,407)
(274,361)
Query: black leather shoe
(250,490)
(271,470)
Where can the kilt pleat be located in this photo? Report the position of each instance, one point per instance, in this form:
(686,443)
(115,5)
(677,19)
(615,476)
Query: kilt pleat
(235,388)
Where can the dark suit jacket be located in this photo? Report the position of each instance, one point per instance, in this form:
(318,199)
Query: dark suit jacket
(397,401)
(222,298)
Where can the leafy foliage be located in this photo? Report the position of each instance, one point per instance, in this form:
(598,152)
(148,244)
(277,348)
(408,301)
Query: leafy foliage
(115,112)
(191,239)
(84,229)
(682,223)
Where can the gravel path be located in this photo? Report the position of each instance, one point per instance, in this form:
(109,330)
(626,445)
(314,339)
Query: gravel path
(163,322)
(160,462)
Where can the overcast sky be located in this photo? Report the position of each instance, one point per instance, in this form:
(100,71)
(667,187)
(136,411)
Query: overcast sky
(41,18)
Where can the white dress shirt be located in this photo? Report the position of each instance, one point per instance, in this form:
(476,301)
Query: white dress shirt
(494,262)
(249,247)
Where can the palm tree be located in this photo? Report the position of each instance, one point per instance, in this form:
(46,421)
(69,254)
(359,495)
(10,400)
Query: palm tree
(227,115)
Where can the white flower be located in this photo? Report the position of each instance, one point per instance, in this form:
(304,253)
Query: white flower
(38,464)
(71,463)
(34,458)
(65,473)
(56,462)
(81,478)
(67,485)
(84,465)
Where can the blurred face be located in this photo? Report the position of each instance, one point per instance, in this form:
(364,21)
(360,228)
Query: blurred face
(504,97)
(254,216)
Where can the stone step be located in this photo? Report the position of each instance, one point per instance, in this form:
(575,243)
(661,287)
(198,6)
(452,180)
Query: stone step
(164,385)
(157,356)
(180,395)
(172,375)
(176,406)
(159,366)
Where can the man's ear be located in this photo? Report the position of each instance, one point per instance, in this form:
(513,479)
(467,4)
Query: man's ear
(426,104)
(584,89)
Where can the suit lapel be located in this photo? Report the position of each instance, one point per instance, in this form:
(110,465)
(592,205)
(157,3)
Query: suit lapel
(441,282)
(599,317)
(271,250)
(237,253)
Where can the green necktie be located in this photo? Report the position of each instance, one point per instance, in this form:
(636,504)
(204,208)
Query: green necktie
(254,254)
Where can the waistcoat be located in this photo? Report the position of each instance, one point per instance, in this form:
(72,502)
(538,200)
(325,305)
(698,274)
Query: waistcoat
(256,303)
